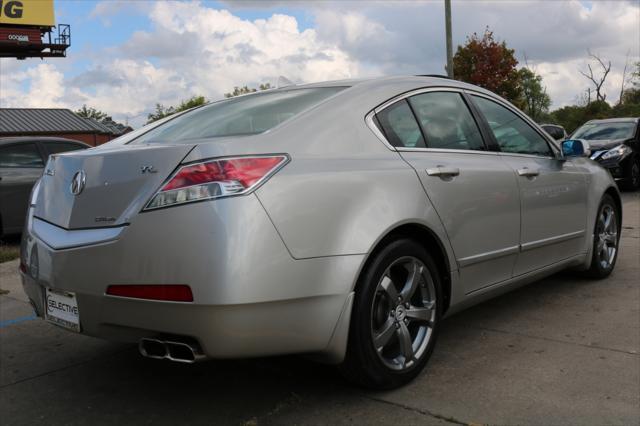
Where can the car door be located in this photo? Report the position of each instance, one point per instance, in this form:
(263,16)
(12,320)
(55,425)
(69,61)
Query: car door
(474,192)
(20,167)
(553,191)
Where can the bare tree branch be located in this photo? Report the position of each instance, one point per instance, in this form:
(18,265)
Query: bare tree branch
(598,81)
(625,79)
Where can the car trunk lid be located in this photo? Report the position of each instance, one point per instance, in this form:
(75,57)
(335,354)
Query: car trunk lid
(118,182)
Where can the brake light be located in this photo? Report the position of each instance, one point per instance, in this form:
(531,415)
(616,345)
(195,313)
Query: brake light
(167,292)
(216,179)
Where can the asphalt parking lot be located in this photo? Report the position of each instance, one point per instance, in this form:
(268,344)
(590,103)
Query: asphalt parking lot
(561,351)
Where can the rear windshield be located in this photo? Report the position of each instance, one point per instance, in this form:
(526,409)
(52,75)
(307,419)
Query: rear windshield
(245,115)
(602,131)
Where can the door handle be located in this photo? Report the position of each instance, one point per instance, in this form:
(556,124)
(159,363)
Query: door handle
(443,171)
(527,172)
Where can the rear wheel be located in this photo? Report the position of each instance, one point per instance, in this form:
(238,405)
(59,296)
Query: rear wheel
(395,319)
(606,236)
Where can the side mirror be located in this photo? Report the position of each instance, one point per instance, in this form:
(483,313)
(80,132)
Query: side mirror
(575,148)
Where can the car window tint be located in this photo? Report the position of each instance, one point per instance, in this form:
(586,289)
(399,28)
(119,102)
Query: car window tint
(446,121)
(555,131)
(22,155)
(604,131)
(58,147)
(512,132)
(400,126)
(243,115)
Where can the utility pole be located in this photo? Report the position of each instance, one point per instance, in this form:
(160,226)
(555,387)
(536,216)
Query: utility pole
(447,19)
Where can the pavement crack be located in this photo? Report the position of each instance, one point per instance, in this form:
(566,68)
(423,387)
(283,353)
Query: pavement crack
(422,411)
(549,339)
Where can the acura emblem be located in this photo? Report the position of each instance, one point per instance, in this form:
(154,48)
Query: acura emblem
(78,181)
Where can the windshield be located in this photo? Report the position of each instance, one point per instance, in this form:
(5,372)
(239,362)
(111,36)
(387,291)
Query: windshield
(603,131)
(245,115)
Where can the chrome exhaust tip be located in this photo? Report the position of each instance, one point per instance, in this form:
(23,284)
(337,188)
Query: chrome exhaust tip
(153,348)
(176,351)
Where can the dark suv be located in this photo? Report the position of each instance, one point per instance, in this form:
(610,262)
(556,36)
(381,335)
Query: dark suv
(22,161)
(615,144)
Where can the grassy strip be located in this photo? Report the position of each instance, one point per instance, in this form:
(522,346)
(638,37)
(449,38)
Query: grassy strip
(9,252)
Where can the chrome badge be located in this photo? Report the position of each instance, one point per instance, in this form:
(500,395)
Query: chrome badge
(78,182)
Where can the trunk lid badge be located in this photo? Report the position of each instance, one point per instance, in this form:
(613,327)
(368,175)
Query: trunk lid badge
(78,182)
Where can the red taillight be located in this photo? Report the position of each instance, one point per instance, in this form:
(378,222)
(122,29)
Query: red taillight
(215,179)
(168,292)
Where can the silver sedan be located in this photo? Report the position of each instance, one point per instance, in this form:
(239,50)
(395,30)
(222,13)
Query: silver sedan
(342,219)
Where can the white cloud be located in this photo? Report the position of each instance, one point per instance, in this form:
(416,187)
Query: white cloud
(44,86)
(193,48)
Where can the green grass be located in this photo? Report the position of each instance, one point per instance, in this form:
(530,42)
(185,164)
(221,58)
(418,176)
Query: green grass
(9,252)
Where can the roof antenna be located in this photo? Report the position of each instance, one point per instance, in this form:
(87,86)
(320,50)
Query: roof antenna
(283,82)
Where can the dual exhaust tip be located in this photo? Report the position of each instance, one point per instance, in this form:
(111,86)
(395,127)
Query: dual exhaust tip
(176,351)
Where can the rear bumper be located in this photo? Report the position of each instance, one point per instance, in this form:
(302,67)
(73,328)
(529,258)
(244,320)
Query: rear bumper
(251,298)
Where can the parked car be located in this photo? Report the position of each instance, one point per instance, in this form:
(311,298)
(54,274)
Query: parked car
(342,219)
(615,144)
(22,160)
(557,132)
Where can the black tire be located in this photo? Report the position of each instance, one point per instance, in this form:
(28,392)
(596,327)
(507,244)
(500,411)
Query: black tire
(363,364)
(602,267)
(632,177)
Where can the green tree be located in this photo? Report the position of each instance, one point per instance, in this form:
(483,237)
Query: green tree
(631,96)
(162,111)
(535,98)
(573,116)
(237,91)
(89,112)
(488,63)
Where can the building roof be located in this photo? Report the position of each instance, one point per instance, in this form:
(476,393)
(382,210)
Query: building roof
(25,121)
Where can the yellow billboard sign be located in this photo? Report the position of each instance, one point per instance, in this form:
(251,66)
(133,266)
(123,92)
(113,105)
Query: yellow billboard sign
(27,12)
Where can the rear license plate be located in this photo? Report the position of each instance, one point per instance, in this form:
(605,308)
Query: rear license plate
(62,309)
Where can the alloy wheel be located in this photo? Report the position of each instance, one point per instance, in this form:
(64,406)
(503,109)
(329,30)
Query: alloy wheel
(403,313)
(607,237)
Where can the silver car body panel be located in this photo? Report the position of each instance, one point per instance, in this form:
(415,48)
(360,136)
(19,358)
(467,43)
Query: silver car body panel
(275,271)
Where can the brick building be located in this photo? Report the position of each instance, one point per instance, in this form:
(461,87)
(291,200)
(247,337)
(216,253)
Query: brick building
(57,122)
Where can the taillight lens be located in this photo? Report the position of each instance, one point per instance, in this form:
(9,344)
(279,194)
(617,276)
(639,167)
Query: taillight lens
(216,179)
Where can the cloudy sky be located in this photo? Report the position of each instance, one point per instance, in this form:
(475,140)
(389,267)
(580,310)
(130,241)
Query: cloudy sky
(129,55)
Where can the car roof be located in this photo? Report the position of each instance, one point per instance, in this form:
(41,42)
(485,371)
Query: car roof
(372,92)
(26,139)
(422,80)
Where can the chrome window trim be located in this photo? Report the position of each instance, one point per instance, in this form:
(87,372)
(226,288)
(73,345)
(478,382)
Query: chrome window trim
(368,119)
(409,94)
(376,131)
(514,154)
(448,151)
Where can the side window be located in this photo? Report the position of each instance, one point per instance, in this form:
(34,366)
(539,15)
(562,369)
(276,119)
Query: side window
(58,147)
(446,121)
(23,155)
(512,133)
(400,126)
